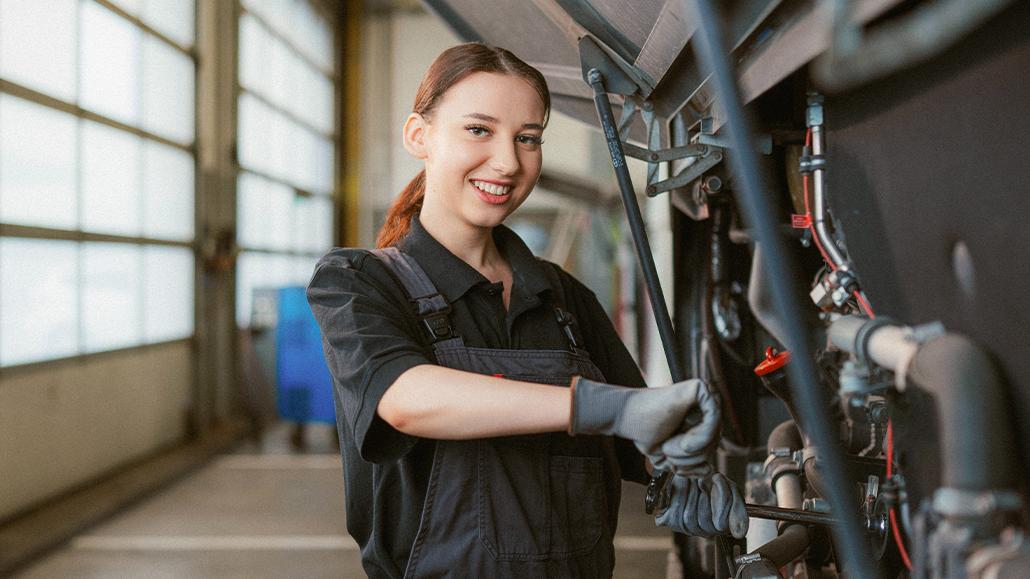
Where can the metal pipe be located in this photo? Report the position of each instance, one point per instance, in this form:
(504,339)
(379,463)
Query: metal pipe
(888,345)
(792,515)
(755,203)
(636,225)
(819,220)
(968,390)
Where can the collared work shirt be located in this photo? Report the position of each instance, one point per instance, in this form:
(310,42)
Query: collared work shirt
(371,336)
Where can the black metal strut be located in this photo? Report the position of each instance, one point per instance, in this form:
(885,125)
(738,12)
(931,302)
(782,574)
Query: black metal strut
(754,202)
(636,224)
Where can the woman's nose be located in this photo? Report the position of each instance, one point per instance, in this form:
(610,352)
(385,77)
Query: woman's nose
(505,159)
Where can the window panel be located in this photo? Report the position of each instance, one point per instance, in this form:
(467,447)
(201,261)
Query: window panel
(278,73)
(168,96)
(251,210)
(322,237)
(306,162)
(325,154)
(110,180)
(167,293)
(254,48)
(322,99)
(280,217)
(253,134)
(38,165)
(173,18)
(111,308)
(110,52)
(279,140)
(258,271)
(38,281)
(168,190)
(37,45)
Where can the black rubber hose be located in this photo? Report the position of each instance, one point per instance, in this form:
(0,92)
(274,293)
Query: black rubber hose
(791,543)
(788,546)
(760,214)
(785,435)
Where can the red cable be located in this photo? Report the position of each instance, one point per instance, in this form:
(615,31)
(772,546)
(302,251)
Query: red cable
(869,312)
(893,517)
(862,303)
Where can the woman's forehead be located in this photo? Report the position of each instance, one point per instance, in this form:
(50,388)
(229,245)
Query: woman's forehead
(504,97)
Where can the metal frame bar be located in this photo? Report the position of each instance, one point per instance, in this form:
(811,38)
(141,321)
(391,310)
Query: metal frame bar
(43,99)
(756,207)
(187,50)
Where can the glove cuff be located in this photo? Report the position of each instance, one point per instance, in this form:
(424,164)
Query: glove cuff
(596,406)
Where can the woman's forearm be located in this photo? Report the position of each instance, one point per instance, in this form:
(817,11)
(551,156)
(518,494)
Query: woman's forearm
(437,402)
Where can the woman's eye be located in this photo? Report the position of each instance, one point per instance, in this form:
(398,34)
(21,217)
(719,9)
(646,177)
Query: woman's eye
(530,140)
(477,131)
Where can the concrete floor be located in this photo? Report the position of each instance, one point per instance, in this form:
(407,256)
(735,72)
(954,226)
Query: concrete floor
(267,511)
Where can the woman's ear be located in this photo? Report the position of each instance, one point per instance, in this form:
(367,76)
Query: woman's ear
(415,136)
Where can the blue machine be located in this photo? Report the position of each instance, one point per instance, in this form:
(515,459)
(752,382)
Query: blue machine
(304,384)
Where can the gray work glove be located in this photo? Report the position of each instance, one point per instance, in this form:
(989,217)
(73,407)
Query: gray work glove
(675,426)
(704,507)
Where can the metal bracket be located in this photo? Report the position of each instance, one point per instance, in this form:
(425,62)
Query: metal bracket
(692,172)
(671,154)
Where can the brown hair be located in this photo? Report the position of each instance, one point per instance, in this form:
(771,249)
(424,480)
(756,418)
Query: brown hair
(451,67)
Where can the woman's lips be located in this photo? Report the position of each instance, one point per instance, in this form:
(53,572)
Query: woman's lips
(492,193)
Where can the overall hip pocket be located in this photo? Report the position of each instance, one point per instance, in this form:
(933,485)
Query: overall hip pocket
(534,506)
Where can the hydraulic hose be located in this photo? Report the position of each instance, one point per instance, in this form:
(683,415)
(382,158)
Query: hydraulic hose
(757,209)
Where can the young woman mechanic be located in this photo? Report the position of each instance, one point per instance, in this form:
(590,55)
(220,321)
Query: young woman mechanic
(453,350)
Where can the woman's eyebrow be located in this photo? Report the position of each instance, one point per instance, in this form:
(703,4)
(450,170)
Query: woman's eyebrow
(489,119)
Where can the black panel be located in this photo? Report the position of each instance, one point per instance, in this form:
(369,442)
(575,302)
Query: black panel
(935,157)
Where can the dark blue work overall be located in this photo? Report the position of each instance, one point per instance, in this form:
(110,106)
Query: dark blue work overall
(520,507)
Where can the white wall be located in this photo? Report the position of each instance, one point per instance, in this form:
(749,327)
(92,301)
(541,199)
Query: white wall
(72,421)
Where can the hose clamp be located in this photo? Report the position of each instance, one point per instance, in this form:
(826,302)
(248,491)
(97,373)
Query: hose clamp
(861,347)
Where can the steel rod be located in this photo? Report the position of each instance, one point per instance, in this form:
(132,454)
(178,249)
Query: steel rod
(792,515)
(754,199)
(636,225)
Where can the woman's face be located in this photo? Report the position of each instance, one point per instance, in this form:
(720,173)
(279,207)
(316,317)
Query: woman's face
(481,147)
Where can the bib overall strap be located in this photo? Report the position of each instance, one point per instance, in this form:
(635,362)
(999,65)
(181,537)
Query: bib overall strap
(431,308)
(565,319)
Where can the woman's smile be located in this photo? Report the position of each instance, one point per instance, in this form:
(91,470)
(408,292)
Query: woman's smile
(491,191)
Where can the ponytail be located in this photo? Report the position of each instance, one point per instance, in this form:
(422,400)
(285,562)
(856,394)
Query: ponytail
(398,218)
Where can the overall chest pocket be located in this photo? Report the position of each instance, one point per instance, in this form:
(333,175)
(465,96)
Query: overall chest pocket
(533,506)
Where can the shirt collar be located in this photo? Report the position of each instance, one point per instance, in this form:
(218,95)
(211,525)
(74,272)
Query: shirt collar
(453,277)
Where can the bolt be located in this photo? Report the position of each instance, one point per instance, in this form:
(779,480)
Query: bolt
(713,184)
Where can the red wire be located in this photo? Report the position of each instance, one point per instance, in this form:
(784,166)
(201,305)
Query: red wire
(893,517)
(864,304)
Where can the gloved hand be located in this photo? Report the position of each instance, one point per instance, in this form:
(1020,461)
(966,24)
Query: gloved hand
(704,507)
(675,425)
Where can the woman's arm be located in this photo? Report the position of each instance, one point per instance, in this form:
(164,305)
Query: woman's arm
(446,404)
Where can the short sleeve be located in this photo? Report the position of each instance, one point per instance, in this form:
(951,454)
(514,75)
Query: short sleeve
(369,341)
